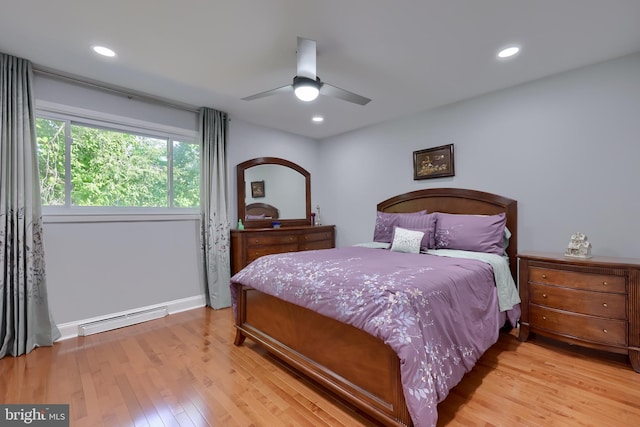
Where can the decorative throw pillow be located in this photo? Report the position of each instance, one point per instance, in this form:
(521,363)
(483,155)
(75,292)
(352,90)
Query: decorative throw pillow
(406,240)
(383,231)
(478,233)
(427,236)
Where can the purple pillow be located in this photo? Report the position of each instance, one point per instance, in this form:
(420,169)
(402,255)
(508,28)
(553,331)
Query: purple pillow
(425,223)
(385,221)
(478,233)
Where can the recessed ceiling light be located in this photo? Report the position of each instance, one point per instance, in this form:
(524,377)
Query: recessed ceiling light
(317,119)
(508,52)
(104,51)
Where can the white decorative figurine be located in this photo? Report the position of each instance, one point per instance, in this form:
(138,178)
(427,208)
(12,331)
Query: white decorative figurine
(579,246)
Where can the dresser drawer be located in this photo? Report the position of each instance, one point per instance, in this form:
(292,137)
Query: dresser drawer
(603,304)
(276,239)
(574,279)
(318,244)
(595,329)
(257,252)
(312,237)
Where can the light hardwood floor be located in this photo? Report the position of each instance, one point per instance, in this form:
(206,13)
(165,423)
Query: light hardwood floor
(183,370)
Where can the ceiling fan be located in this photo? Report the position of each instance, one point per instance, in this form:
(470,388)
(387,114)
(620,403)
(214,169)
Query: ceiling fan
(306,84)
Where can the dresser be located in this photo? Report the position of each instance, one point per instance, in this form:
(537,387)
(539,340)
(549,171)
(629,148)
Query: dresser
(593,302)
(250,244)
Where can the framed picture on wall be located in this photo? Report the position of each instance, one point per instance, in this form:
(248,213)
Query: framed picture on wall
(433,162)
(257,189)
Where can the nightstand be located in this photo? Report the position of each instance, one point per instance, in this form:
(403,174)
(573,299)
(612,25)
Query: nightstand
(593,302)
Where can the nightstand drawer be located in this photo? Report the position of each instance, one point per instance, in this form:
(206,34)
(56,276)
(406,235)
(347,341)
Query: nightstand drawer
(574,279)
(595,329)
(609,305)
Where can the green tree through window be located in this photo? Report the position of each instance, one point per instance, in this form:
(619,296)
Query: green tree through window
(51,161)
(113,168)
(186,175)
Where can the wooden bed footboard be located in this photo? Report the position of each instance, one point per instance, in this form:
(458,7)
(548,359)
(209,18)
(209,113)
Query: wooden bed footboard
(354,365)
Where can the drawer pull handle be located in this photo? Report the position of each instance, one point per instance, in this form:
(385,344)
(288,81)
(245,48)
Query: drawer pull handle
(604,330)
(544,276)
(605,305)
(544,295)
(605,283)
(544,317)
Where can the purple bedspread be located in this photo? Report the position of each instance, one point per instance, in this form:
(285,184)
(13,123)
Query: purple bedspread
(439,314)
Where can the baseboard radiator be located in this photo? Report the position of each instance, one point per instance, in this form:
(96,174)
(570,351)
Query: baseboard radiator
(116,322)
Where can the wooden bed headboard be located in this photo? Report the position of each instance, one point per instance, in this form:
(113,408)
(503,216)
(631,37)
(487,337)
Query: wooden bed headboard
(265,209)
(460,201)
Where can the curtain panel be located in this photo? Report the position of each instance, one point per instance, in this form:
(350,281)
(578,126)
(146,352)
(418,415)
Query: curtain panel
(25,320)
(214,221)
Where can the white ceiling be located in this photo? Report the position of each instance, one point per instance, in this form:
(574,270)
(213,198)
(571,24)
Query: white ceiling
(406,55)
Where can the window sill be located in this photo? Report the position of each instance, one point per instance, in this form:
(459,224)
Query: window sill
(81,216)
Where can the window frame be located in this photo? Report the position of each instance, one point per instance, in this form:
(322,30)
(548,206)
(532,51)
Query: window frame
(83,117)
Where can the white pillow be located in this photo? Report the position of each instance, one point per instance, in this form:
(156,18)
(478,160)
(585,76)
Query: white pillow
(406,240)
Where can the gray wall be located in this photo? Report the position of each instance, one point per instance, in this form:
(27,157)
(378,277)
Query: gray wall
(566,147)
(97,269)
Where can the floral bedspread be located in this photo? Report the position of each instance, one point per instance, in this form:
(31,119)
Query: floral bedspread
(439,314)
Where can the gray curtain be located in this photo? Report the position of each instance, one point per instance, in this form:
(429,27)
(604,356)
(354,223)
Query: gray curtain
(214,221)
(25,321)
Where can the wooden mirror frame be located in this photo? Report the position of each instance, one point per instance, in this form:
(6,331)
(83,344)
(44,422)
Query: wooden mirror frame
(241,184)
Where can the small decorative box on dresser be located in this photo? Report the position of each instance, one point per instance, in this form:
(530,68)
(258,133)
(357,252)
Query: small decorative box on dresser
(593,302)
(250,244)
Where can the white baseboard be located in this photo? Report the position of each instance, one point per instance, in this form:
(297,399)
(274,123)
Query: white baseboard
(70,329)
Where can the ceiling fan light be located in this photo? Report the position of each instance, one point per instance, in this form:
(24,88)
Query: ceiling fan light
(306,89)
(306,93)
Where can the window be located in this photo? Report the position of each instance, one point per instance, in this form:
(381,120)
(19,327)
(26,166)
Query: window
(90,165)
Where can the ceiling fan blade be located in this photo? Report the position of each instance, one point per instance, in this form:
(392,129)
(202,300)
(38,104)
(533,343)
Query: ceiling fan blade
(336,92)
(306,58)
(283,89)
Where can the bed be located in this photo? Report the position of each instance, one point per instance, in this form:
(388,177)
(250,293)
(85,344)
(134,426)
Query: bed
(361,364)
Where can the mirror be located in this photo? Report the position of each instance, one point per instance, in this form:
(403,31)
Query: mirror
(273,189)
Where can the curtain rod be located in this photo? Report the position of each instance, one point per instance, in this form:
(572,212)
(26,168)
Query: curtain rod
(114,89)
